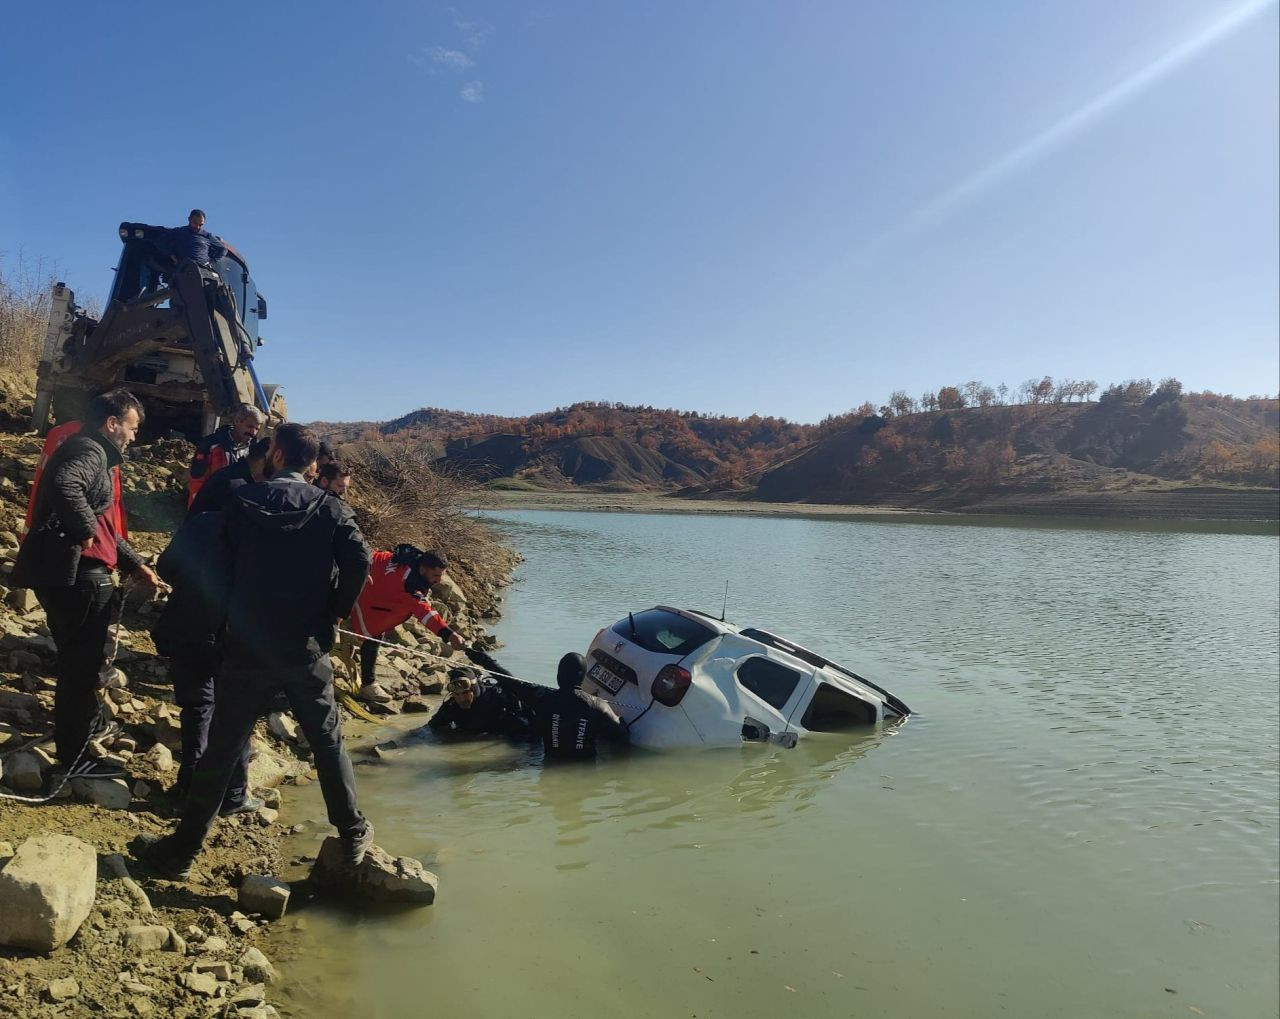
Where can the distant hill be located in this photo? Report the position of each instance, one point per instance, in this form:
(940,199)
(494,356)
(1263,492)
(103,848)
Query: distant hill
(1136,438)
(590,444)
(988,457)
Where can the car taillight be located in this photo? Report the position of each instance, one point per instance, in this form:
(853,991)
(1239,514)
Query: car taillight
(671,685)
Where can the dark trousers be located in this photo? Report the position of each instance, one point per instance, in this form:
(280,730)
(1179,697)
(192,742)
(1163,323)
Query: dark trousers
(369,661)
(79,617)
(244,695)
(192,674)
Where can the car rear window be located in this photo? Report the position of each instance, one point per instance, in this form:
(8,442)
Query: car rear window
(667,633)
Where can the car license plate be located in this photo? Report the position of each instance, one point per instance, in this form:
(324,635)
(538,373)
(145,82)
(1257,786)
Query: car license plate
(599,674)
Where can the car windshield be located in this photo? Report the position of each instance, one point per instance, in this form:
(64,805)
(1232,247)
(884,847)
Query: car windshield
(667,633)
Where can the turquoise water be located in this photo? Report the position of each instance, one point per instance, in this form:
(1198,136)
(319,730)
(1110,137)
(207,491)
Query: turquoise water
(1079,820)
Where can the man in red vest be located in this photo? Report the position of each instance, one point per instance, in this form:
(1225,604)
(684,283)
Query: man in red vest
(228,445)
(397,589)
(56,437)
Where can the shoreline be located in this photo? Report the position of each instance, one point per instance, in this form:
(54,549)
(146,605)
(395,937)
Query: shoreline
(1193,507)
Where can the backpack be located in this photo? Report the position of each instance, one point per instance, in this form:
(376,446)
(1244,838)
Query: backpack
(405,554)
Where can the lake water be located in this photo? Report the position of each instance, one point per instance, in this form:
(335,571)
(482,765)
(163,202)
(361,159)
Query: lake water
(1079,820)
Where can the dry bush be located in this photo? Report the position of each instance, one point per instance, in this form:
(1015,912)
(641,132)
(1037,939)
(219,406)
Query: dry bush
(24,312)
(398,497)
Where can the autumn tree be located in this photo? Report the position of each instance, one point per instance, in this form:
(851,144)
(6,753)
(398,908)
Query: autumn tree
(1217,457)
(992,461)
(950,398)
(902,404)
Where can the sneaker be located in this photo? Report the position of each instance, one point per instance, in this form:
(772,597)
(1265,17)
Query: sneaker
(90,768)
(249,805)
(152,851)
(357,844)
(374,694)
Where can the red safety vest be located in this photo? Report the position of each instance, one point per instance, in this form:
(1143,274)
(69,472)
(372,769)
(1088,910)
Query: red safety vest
(56,437)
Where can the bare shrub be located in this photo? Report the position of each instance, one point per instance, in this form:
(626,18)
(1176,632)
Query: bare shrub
(24,312)
(398,497)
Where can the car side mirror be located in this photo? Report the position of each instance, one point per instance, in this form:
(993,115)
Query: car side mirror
(262,307)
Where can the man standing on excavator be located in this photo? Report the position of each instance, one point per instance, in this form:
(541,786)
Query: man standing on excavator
(228,445)
(194,242)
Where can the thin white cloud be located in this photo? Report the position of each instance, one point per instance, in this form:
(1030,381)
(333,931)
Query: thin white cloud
(452,60)
(474,32)
(472,92)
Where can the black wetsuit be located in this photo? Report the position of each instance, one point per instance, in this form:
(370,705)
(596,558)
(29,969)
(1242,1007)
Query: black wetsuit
(571,721)
(491,714)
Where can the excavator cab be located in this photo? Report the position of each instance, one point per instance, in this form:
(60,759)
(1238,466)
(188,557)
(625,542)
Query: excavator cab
(181,336)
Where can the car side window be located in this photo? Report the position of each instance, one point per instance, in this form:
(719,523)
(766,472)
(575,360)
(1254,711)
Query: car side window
(772,683)
(833,710)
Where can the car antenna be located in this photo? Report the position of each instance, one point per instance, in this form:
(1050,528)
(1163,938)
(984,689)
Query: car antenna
(725,607)
(632,619)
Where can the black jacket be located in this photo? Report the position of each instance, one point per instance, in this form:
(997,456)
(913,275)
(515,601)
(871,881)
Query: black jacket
(571,721)
(76,489)
(298,562)
(215,494)
(197,564)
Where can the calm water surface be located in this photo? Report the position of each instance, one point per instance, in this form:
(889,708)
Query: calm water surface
(1080,820)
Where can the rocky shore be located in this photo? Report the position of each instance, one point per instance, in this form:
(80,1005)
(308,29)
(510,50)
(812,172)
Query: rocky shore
(84,929)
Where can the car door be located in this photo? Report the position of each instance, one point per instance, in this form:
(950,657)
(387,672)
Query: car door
(781,686)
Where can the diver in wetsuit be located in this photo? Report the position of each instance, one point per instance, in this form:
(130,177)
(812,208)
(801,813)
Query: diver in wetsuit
(571,720)
(474,709)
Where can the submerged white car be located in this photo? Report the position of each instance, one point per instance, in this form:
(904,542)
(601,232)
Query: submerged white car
(682,678)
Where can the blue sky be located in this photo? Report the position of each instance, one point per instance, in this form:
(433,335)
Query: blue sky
(735,207)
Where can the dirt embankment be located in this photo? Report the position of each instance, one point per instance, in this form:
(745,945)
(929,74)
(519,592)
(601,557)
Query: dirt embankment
(202,969)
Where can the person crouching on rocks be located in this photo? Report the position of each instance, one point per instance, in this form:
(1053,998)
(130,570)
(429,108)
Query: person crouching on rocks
(297,563)
(396,590)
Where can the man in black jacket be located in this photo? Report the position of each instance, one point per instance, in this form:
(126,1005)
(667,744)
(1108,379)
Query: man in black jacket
(189,633)
(68,557)
(297,563)
(216,492)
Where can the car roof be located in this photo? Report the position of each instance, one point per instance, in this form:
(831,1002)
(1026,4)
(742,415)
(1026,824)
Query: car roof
(832,671)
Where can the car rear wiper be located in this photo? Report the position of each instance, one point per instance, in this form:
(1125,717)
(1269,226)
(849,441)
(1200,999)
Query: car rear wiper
(632,620)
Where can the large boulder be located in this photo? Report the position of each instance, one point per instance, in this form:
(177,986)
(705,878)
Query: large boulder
(110,793)
(269,768)
(46,891)
(380,877)
(261,893)
(24,772)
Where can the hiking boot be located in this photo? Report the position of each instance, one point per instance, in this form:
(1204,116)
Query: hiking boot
(357,844)
(249,805)
(160,859)
(374,694)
